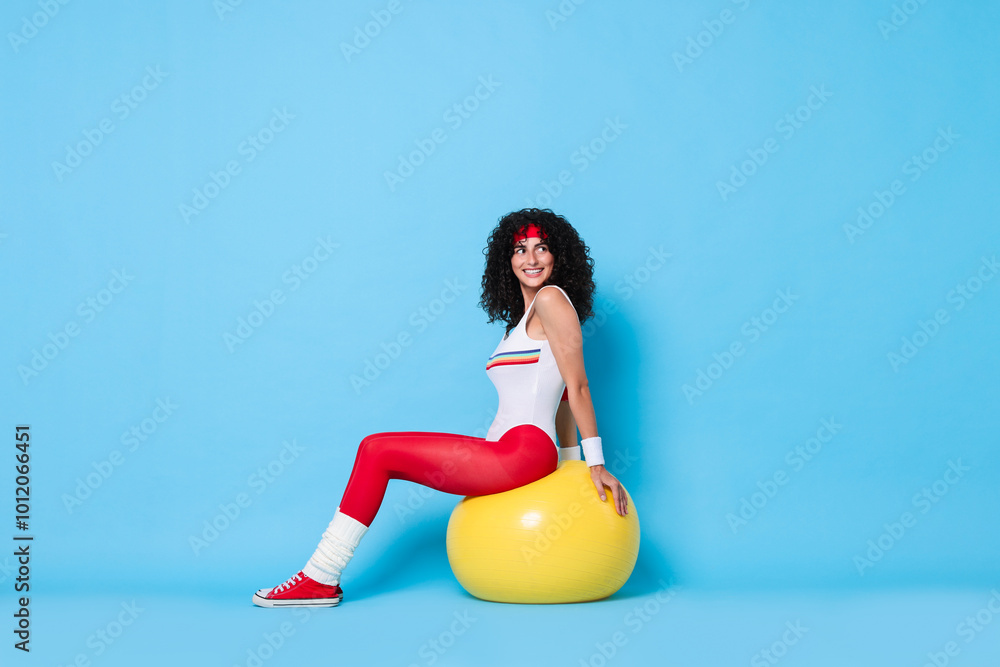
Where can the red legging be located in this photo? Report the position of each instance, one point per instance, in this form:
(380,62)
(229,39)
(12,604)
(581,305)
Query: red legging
(458,464)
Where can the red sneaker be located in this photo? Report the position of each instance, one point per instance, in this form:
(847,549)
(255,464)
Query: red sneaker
(299,591)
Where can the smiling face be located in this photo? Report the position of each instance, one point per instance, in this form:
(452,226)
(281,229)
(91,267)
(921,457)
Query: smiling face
(532,262)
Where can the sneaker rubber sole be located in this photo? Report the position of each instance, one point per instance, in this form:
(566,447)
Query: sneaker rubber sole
(262,601)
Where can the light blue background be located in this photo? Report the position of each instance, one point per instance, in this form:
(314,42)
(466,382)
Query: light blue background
(652,189)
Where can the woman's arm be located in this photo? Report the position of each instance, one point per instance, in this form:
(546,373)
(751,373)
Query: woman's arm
(562,329)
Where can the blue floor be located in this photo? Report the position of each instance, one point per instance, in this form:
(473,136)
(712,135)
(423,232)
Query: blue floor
(436,623)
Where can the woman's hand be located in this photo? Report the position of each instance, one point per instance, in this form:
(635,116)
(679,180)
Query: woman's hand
(601,478)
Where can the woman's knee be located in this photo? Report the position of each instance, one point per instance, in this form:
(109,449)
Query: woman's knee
(371,446)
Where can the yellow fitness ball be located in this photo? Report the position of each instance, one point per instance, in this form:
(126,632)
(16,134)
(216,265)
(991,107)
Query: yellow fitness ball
(550,541)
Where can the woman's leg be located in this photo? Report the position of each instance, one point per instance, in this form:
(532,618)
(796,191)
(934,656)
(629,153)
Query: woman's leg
(458,464)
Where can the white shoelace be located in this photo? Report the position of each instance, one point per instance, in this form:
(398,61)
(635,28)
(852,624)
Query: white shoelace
(292,580)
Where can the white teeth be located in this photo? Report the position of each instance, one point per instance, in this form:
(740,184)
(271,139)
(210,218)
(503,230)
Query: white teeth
(532,270)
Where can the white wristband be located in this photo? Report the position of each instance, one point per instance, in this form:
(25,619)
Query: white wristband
(570,453)
(593,451)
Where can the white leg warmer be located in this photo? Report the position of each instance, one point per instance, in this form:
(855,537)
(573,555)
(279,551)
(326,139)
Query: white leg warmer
(336,549)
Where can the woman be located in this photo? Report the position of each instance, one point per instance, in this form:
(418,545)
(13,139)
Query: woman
(532,366)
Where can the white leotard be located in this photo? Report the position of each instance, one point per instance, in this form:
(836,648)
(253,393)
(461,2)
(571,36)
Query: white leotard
(527,380)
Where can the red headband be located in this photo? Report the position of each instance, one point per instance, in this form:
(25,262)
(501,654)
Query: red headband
(526,232)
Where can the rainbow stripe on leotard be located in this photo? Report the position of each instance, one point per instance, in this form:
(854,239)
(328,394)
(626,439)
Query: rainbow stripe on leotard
(514,357)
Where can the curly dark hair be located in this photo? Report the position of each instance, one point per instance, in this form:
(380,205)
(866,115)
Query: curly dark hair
(572,270)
